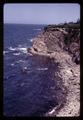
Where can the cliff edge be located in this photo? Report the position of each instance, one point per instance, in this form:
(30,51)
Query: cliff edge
(62,44)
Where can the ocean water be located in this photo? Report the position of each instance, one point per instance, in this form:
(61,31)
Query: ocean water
(29,85)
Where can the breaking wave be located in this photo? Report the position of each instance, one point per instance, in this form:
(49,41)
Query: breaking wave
(18,49)
(31,40)
(16,53)
(42,68)
(37,29)
(4,52)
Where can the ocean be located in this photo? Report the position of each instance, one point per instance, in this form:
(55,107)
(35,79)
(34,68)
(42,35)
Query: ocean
(29,86)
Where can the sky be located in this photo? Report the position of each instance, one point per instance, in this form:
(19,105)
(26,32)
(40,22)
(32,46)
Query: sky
(41,13)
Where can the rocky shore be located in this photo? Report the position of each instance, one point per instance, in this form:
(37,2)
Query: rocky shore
(63,46)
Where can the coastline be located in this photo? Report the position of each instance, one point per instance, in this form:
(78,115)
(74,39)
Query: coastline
(47,44)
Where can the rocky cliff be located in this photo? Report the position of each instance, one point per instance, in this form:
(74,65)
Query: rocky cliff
(62,44)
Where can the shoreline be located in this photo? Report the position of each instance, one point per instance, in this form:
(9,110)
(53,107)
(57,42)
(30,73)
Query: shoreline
(65,109)
(50,43)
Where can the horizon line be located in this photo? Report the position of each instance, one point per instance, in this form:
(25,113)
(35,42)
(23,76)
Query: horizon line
(27,23)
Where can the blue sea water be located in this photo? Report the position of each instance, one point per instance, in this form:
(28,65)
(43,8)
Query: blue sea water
(29,85)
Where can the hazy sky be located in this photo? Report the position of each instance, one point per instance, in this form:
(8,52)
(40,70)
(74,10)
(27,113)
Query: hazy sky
(41,13)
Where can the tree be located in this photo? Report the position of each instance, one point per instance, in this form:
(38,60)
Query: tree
(78,20)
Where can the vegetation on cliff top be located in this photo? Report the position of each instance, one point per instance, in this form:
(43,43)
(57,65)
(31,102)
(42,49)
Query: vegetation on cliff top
(73,25)
(71,40)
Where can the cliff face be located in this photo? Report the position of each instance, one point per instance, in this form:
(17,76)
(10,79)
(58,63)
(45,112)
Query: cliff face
(57,40)
(63,46)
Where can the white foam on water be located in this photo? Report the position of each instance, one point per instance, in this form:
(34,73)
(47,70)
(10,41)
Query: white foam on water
(37,29)
(23,49)
(31,40)
(42,68)
(52,111)
(16,53)
(19,49)
(4,52)
(25,68)
(19,61)
(11,48)
(12,64)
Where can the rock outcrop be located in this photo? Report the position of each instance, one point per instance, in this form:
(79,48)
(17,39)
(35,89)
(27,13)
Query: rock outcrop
(63,46)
